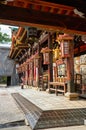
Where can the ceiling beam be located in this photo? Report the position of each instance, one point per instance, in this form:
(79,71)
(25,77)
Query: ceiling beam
(25,17)
(79,4)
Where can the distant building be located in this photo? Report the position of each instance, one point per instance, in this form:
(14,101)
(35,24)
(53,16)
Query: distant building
(7,65)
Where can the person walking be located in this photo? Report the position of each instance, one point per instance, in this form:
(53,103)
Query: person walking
(22,82)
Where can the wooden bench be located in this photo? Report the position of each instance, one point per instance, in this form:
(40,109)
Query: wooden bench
(57,87)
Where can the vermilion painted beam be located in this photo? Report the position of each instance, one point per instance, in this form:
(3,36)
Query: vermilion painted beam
(25,17)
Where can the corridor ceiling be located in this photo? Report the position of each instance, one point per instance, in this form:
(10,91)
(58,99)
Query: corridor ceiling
(59,15)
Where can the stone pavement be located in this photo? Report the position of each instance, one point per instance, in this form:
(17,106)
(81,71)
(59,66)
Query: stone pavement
(17,128)
(47,101)
(9,111)
(40,119)
(57,104)
(63,128)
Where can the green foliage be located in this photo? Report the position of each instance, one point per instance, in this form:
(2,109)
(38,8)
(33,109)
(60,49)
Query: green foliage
(4,37)
(3,79)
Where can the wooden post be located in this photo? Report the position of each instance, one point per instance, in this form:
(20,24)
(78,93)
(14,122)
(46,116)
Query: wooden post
(50,65)
(70,67)
(39,65)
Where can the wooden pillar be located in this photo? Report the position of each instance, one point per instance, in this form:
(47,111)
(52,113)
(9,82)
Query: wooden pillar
(32,68)
(50,65)
(39,65)
(70,66)
(26,68)
(70,69)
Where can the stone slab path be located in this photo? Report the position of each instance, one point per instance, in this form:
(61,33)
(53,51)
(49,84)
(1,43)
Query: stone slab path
(17,128)
(9,111)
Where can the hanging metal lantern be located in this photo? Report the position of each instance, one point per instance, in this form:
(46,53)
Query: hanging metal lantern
(20,69)
(17,69)
(36,60)
(65,49)
(31,35)
(65,45)
(46,52)
(30,63)
(56,54)
(32,32)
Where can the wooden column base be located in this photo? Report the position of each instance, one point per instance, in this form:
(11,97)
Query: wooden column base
(72,96)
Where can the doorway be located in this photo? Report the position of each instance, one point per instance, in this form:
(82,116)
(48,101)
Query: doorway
(8,80)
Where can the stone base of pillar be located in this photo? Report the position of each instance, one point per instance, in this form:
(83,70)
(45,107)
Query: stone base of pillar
(72,96)
(39,89)
(47,90)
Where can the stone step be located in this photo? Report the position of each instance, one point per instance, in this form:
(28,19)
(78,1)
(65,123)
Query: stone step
(62,118)
(50,118)
(32,112)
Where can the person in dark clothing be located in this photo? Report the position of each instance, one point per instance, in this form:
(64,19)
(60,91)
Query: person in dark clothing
(22,82)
